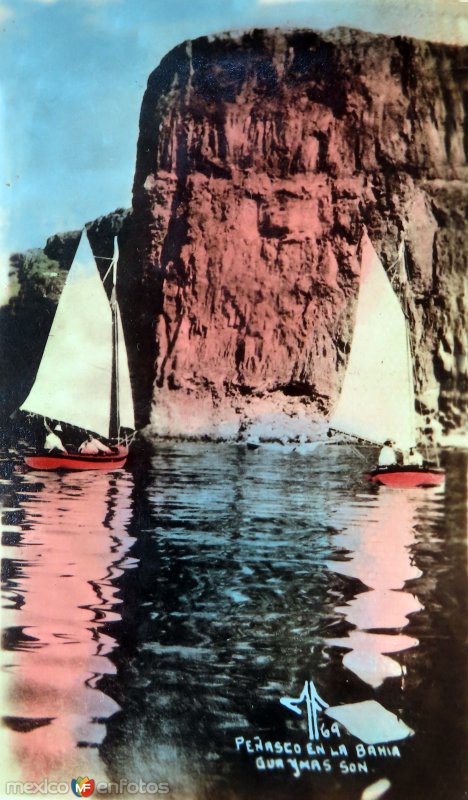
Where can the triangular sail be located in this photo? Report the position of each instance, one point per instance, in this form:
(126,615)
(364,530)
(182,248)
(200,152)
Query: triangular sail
(377,397)
(73,383)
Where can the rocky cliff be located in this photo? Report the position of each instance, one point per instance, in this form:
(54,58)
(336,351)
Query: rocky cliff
(261,157)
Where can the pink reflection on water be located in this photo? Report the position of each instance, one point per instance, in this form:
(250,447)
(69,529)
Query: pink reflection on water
(74,543)
(379,538)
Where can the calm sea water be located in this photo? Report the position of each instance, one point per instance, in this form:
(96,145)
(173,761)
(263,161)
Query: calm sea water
(154,618)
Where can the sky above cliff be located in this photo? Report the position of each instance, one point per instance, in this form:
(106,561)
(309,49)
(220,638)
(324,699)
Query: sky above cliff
(73,76)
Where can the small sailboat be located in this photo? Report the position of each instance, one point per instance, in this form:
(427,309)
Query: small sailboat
(83,378)
(377,401)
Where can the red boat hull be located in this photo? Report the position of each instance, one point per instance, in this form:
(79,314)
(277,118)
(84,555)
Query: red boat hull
(80,461)
(403,477)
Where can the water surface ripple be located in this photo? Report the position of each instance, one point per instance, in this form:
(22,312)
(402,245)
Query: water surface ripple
(152,616)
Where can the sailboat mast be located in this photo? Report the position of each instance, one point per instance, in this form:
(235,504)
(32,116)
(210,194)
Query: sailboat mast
(409,348)
(114,419)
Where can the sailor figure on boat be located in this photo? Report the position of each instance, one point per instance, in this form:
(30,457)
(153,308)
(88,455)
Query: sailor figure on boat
(93,446)
(414,458)
(52,440)
(387,455)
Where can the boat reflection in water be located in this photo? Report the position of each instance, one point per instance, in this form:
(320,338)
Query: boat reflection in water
(61,560)
(255,575)
(378,536)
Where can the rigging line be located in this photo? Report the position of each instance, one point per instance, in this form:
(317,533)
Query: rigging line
(357,453)
(392,269)
(109,269)
(411,379)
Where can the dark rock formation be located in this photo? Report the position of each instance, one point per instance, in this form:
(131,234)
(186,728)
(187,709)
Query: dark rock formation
(260,158)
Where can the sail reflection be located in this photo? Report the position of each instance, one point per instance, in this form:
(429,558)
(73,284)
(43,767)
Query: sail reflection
(379,536)
(72,546)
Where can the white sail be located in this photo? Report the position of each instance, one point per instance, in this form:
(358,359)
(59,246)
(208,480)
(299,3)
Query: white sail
(377,397)
(73,383)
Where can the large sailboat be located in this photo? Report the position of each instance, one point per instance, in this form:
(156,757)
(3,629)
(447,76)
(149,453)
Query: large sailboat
(377,401)
(83,378)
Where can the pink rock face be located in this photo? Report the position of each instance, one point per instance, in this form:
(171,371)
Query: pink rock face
(260,159)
